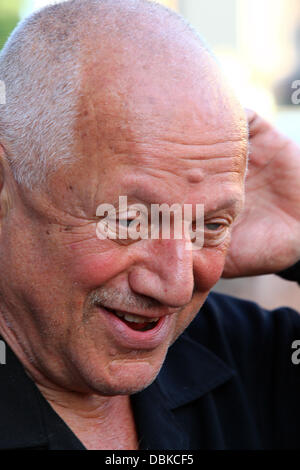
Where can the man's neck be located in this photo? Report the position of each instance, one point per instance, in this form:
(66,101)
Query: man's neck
(99,422)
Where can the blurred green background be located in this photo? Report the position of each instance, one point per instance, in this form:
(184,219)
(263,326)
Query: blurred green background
(9,17)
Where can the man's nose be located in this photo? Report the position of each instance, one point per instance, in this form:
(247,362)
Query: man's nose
(164,273)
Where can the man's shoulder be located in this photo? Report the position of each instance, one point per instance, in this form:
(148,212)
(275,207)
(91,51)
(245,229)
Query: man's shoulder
(231,314)
(239,331)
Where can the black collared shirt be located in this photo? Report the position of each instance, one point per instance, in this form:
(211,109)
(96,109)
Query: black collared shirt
(228,382)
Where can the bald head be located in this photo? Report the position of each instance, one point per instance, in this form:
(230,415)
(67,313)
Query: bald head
(64,53)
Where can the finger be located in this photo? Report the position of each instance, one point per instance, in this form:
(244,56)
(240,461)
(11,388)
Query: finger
(251,114)
(256,124)
(252,118)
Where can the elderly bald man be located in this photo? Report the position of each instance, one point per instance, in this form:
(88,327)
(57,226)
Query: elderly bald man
(110,343)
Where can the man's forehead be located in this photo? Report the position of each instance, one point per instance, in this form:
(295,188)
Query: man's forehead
(180,152)
(131,88)
(181,134)
(158,117)
(158,106)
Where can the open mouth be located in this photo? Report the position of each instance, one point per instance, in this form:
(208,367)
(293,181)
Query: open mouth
(135,322)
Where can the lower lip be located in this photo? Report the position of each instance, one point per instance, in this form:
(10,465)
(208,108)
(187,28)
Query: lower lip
(128,338)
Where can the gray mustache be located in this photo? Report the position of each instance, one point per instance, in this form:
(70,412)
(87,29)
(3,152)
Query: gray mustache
(115,298)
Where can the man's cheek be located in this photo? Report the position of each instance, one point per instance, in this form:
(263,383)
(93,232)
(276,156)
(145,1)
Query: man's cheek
(92,266)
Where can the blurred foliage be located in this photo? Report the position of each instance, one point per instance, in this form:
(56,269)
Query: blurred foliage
(9,17)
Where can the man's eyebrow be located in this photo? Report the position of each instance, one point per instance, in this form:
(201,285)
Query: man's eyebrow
(234,203)
(144,196)
(148,196)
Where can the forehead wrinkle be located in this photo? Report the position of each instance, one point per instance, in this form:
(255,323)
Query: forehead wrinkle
(225,149)
(188,168)
(163,149)
(207,140)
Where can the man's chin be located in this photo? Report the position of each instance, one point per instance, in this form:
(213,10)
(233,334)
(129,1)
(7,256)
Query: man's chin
(125,377)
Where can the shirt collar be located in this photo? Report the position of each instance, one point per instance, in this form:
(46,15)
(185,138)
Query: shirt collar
(189,371)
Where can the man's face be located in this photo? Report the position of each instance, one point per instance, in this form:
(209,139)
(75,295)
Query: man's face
(160,140)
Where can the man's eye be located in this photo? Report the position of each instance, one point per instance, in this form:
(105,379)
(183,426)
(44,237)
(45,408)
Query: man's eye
(124,222)
(215,233)
(131,226)
(214,227)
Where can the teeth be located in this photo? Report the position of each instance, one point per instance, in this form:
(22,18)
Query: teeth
(135,318)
